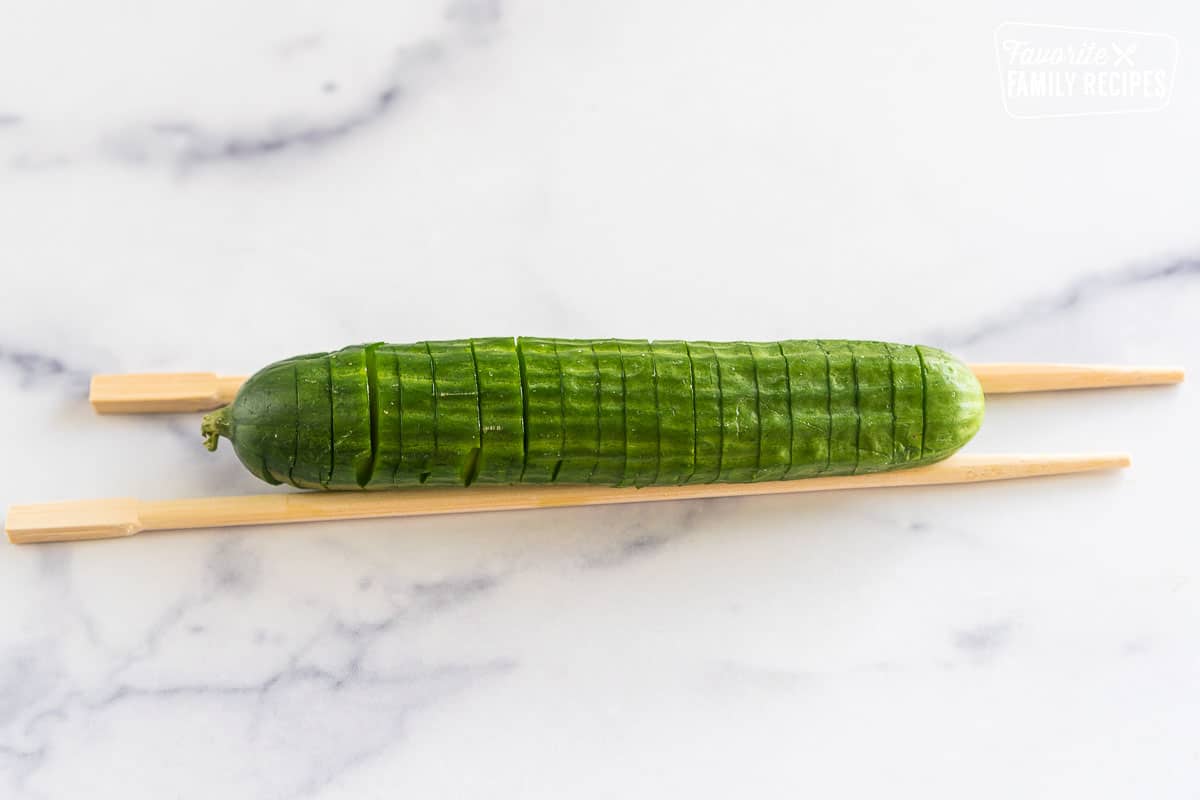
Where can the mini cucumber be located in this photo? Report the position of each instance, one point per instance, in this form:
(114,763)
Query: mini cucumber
(610,412)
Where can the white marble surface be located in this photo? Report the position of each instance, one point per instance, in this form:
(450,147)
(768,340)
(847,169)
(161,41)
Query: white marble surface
(215,186)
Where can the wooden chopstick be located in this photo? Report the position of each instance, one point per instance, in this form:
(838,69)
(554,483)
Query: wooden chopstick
(102,519)
(1014,378)
(163,392)
(203,391)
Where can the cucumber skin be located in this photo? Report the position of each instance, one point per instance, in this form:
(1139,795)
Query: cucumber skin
(875,387)
(456,413)
(676,412)
(261,444)
(581,410)
(416,412)
(351,417)
(706,385)
(541,382)
(641,413)
(610,458)
(387,453)
(502,418)
(614,412)
(774,411)
(740,430)
(314,422)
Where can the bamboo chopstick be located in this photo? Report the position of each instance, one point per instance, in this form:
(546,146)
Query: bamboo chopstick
(1015,378)
(102,519)
(170,392)
(203,391)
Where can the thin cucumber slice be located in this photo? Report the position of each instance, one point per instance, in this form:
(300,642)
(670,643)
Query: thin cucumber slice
(808,382)
(909,404)
(502,415)
(739,412)
(581,410)
(351,418)
(455,413)
(843,405)
(416,413)
(641,413)
(774,411)
(610,459)
(676,412)
(873,371)
(385,408)
(314,420)
(541,380)
(706,384)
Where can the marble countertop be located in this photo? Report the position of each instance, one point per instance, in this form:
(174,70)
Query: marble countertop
(212,188)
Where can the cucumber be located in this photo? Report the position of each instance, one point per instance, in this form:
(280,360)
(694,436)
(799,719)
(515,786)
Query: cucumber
(417,420)
(616,412)
(313,414)
(610,455)
(266,448)
(456,413)
(384,370)
(641,413)
(774,411)
(876,429)
(581,411)
(953,403)
(351,426)
(908,402)
(812,415)
(843,409)
(676,404)
(501,415)
(706,385)
(541,380)
(739,412)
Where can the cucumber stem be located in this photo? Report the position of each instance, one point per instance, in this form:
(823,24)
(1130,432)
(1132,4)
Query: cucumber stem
(214,426)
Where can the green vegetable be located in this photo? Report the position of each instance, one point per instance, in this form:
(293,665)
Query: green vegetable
(610,456)
(641,413)
(541,383)
(456,413)
(609,412)
(706,384)
(774,411)
(676,411)
(417,421)
(740,431)
(352,453)
(385,411)
(501,412)
(581,410)
(811,409)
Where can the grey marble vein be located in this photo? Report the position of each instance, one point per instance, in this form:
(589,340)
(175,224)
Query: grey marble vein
(189,144)
(32,367)
(1077,294)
